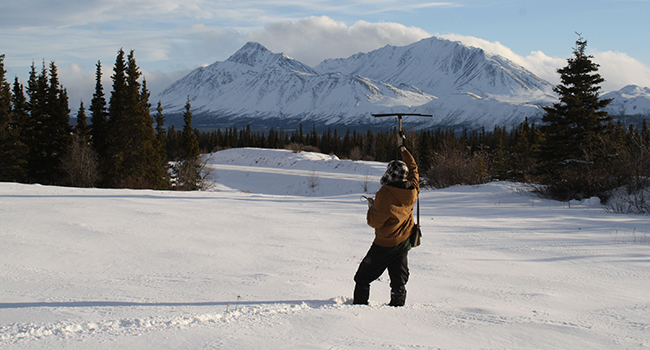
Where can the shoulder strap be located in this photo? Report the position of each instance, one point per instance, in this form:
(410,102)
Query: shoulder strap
(418,211)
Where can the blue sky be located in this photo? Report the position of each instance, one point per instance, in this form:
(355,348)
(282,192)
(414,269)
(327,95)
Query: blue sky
(171,37)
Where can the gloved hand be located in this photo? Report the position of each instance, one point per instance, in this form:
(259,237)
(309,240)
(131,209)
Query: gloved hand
(401,139)
(371,202)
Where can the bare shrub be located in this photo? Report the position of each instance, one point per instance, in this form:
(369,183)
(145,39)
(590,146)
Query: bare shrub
(356,153)
(313,179)
(310,148)
(452,166)
(366,182)
(80,164)
(632,201)
(294,147)
(298,147)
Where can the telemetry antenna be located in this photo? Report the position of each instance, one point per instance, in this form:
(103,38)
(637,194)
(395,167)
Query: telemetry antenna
(400,115)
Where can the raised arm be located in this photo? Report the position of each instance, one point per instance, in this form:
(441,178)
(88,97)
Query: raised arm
(414,175)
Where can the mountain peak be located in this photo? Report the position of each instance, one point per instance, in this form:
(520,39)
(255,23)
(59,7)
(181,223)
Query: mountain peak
(254,54)
(251,54)
(440,67)
(635,90)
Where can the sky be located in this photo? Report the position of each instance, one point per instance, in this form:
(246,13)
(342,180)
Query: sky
(172,37)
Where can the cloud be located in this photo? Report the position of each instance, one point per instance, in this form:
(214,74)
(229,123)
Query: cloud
(401,6)
(313,39)
(175,36)
(48,13)
(618,69)
(79,82)
(537,62)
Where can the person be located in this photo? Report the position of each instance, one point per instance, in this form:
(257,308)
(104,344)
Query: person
(391,215)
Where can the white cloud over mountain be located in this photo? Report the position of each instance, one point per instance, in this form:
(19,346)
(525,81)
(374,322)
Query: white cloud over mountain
(313,39)
(618,69)
(171,37)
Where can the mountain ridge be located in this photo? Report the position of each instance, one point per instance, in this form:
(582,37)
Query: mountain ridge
(440,67)
(461,86)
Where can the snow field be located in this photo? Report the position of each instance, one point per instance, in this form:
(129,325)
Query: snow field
(264,260)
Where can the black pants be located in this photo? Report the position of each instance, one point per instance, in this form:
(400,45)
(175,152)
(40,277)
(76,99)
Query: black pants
(377,260)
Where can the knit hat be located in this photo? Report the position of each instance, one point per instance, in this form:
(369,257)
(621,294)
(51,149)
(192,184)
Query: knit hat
(397,171)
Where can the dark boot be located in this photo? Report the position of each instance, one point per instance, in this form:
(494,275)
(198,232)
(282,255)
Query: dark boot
(361,294)
(399,275)
(397,298)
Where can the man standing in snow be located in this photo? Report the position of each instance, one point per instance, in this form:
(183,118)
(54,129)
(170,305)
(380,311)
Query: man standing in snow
(391,215)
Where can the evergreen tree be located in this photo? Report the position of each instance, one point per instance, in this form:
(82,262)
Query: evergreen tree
(12,150)
(159,118)
(82,129)
(575,128)
(59,128)
(189,168)
(153,157)
(133,159)
(47,128)
(189,143)
(37,95)
(117,136)
(161,142)
(578,118)
(20,108)
(99,117)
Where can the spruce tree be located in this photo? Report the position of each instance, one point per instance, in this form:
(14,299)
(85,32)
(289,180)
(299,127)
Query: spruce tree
(159,118)
(161,144)
(47,128)
(99,117)
(12,150)
(152,158)
(189,143)
(575,128)
(59,129)
(133,159)
(116,132)
(20,108)
(82,129)
(188,169)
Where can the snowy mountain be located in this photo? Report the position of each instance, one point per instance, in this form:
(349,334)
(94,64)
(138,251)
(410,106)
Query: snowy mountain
(631,100)
(442,67)
(257,86)
(457,84)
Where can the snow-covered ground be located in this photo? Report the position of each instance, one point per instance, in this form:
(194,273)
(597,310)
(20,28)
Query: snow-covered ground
(265,260)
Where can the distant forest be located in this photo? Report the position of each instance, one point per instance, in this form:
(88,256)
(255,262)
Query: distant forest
(576,151)
(445,156)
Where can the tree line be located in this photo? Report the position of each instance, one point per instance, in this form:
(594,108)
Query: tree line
(576,151)
(116,146)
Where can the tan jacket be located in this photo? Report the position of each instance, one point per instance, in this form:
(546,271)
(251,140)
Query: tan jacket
(392,213)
